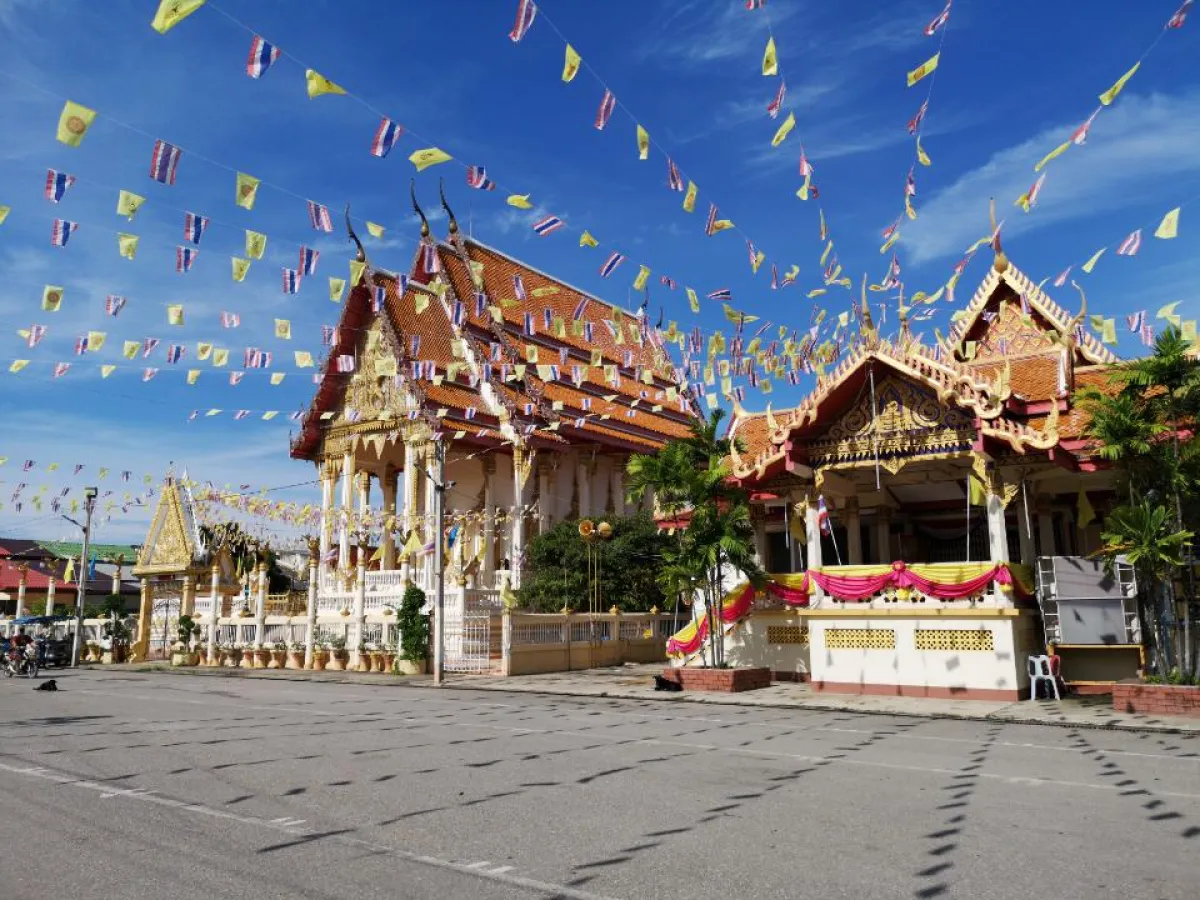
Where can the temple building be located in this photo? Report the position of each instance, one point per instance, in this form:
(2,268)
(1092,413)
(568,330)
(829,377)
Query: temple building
(537,393)
(919,504)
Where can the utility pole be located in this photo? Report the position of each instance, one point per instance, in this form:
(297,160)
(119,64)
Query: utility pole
(90,495)
(439,515)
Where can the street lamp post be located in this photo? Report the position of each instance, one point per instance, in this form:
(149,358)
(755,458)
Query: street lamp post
(89,495)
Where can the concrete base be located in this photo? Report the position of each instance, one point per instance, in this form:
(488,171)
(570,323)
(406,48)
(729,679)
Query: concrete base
(1156,699)
(912,690)
(725,681)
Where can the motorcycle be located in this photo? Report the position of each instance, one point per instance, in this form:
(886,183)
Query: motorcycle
(23,664)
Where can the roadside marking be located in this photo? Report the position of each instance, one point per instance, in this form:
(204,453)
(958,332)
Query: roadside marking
(475,870)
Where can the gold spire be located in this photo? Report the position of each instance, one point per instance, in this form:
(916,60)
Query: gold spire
(1000,263)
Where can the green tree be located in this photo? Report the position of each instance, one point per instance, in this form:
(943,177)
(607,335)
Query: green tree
(690,479)
(414,625)
(556,565)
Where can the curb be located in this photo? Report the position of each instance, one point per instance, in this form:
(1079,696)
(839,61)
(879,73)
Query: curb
(410,682)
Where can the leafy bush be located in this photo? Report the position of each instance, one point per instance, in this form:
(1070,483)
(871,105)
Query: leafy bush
(414,625)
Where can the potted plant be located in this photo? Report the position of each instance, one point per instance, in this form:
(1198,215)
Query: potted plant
(320,657)
(278,655)
(93,651)
(376,658)
(414,633)
(118,635)
(337,654)
(262,657)
(295,655)
(364,658)
(236,651)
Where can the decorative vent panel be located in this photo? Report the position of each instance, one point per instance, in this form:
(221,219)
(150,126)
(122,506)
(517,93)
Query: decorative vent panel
(860,639)
(787,634)
(959,639)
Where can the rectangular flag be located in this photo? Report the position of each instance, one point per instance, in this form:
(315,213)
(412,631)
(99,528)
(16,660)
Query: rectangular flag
(291,281)
(1169,226)
(386,136)
(914,124)
(1180,16)
(477,178)
(230,320)
(73,123)
(308,260)
(938,21)
(775,105)
(113,305)
(56,184)
(674,181)
(127,245)
(185,258)
(61,232)
(710,225)
(175,353)
(318,216)
(610,264)
(193,227)
(256,244)
(1131,245)
(607,104)
(164,162)
(519,288)
(925,68)
(548,225)
(247,190)
(526,13)
(262,57)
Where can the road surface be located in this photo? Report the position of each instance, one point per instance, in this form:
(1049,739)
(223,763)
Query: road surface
(157,785)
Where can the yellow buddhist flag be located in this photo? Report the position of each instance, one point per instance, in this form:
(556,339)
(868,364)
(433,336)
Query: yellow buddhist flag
(319,85)
(52,296)
(304,359)
(923,69)
(1188,330)
(520,201)
(127,245)
(693,300)
(643,274)
(770,63)
(256,244)
(1091,263)
(240,268)
(975,493)
(283,329)
(1108,331)
(1056,152)
(802,193)
(4,211)
(1086,514)
(357,268)
(374,230)
(817,292)
(193,376)
(203,351)
(128,203)
(571,64)
(908,207)
(892,238)
(17,365)
(95,340)
(107,370)
(130,349)
(337,287)
(73,123)
(421,303)
(277,378)
(922,156)
(1169,226)
(784,130)
(722,225)
(175,314)
(430,156)
(1168,312)
(171,13)
(643,142)
(586,240)
(220,357)
(756,261)
(689,199)
(247,190)
(736,316)
(1111,94)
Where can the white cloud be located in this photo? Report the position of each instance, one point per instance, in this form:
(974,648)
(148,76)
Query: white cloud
(1143,141)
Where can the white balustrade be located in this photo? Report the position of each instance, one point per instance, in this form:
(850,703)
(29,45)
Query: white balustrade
(389,581)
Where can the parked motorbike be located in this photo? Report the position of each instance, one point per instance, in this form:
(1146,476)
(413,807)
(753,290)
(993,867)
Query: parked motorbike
(22,664)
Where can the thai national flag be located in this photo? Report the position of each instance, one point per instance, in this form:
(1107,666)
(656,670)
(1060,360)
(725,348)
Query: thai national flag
(113,305)
(318,215)
(610,264)
(81,346)
(481,302)
(667,282)
(185,257)
(526,13)
(62,231)
(429,259)
(519,288)
(345,363)
(56,184)
(262,57)
(529,329)
(164,162)
(175,353)
(36,333)
(722,294)
(608,103)
(385,137)
(379,299)
(308,260)
(548,225)
(674,181)
(291,281)
(1137,321)
(477,178)
(460,314)
(148,346)
(580,308)
(1131,245)
(823,516)
(230,320)
(193,227)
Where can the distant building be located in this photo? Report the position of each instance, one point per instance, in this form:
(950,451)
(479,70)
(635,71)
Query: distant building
(43,567)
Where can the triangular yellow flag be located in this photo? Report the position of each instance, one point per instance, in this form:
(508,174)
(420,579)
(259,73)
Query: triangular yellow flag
(220,357)
(1091,263)
(689,199)
(283,329)
(127,245)
(922,156)
(643,142)
(430,156)
(319,85)
(337,287)
(107,370)
(374,230)
(193,376)
(4,211)
(304,359)
(73,123)
(52,296)
(256,244)
(643,274)
(1086,514)
(171,13)
(95,340)
(1168,312)
(756,261)
(247,190)
(240,268)
(277,378)
(1111,94)
(784,130)
(1056,152)
(357,267)
(17,365)
(175,314)
(770,63)
(130,349)
(923,69)
(128,203)
(571,64)
(586,240)
(203,351)
(520,201)
(1169,226)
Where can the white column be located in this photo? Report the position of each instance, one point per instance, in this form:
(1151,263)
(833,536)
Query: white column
(812,528)
(545,501)
(794,523)
(360,600)
(408,502)
(489,522)
(388,485)
(24,569)
(432,525)
(517,541)
(583,485)
(997,533)
(347,495)
(215,591)
(758,521)
(50,597)
(328,478)
(853,520)
(310,611)
(260,616)
(617,479)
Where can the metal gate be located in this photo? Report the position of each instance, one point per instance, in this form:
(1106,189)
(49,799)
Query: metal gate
(468,632)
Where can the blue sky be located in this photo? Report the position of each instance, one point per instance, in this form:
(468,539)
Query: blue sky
(1015,79)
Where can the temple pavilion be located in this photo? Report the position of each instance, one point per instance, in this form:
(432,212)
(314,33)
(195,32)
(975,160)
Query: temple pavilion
(904,505)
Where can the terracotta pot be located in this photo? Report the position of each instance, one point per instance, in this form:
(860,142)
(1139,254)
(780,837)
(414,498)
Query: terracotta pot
(93,653)
(389,662)
(337,661)
(107,658)
(409,667)
(295,659)
(278,658)
(262,658)
(231,659)
(364,662)
(320,660)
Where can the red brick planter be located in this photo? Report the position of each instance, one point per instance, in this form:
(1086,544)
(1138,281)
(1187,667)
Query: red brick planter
(726,681)
(1156,699)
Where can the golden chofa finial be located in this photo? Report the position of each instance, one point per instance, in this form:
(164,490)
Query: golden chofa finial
(412,192)
(1000,263)
(446,206)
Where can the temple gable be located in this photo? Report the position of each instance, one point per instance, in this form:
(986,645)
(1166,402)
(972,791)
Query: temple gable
(1003,329)
(170,545)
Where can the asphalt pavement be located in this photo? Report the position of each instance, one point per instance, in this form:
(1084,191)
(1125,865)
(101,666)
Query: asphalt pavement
(154,785)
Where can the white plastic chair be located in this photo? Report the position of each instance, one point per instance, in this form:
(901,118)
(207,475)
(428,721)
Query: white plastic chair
(1041,669)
